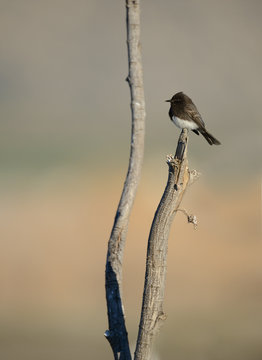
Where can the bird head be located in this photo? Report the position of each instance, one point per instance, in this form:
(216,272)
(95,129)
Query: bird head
(180,96)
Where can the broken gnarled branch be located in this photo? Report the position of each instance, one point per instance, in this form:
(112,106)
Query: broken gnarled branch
(152,314)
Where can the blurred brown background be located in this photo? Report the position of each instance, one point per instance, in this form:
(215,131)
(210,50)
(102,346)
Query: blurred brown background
(65,129)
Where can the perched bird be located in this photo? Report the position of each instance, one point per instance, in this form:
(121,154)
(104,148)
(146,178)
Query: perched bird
(184,114)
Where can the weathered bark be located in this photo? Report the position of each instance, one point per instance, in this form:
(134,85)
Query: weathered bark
(117,334)
(152,314)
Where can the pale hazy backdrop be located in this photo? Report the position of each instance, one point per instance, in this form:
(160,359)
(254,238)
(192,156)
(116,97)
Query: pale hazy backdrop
(65,130)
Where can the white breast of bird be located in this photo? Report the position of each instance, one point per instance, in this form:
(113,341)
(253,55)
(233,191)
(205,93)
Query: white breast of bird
(184,124)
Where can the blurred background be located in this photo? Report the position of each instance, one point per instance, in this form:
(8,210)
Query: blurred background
(65,130)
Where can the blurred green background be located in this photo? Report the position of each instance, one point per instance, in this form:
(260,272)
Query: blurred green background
(65,130)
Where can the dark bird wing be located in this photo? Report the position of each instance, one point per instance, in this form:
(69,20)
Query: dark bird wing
(195,116)
(196,132)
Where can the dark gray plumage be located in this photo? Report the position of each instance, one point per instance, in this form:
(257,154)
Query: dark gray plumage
(184,114)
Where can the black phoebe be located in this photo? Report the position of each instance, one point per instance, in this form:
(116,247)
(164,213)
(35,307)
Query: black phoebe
(184,114)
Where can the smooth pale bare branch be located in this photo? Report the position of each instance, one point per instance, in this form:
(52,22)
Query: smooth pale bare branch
(117,334)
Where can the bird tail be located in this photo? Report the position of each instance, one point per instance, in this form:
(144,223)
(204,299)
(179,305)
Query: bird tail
(209,138)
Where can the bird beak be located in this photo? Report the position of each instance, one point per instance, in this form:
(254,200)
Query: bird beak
(168,100)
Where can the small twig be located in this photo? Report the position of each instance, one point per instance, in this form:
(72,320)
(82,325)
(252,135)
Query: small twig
(191,218)
(194,175)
